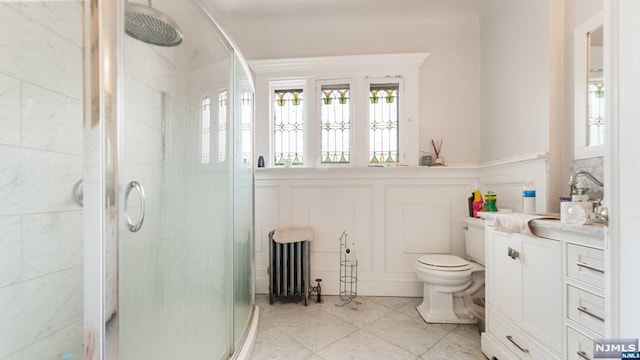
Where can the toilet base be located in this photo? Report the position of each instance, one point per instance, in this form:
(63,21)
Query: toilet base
(443,308)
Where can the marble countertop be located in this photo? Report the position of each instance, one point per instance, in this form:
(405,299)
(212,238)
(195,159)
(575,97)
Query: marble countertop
(589,229)
(553,223)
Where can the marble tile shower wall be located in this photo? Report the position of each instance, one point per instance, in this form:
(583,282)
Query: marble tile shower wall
(596,167)
(41,250)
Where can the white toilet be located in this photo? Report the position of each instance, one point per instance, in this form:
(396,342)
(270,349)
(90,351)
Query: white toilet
(448,278)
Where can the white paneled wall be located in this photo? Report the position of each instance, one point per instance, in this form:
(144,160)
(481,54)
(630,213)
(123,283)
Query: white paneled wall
(507,178)
(393,215)
(41,291)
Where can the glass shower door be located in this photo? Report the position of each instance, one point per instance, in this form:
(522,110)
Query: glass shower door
(243,251)
(176,170)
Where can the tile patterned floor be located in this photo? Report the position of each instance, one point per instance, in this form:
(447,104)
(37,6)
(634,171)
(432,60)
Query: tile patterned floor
(369,328)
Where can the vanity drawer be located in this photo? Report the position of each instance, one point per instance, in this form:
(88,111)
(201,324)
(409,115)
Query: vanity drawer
(586,309)
(579,346)
(585,264)
(515,340)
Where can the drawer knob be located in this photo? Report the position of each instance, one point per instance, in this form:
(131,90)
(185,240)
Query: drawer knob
(584,310)
(590,267)
(510,338)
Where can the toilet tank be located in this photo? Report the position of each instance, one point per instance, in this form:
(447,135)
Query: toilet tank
(474,238)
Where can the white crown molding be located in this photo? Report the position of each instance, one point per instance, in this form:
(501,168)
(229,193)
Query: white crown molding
(312,64)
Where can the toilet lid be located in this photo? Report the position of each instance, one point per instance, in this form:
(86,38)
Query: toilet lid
(443,260)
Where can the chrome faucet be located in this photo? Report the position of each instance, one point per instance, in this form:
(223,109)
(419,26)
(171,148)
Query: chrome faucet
(573,178)
(601,214)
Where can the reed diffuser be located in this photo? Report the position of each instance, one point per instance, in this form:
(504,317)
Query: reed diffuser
(437,148)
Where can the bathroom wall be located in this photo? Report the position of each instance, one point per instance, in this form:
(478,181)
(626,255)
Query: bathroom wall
(41,248)
(515,77)
(392,215)
(521,88)
(449,79)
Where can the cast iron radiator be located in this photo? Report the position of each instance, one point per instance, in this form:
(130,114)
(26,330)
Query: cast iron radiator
(288,270)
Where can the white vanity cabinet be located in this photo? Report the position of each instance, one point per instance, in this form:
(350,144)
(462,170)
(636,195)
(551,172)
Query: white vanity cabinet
(524,297)
(584,291)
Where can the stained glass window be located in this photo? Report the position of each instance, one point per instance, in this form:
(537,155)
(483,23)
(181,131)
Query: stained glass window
(222,125)
(383,123)
(288,121)
(596,113)
(206,129)
(335,123)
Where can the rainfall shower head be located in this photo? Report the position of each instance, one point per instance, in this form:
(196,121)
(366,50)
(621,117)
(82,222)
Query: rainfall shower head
(144,23)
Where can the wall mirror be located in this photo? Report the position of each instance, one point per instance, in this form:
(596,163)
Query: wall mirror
(589,90)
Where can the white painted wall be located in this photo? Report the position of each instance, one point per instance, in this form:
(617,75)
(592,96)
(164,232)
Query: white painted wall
(515,77)
(449,79)
(521,85)
(41,246)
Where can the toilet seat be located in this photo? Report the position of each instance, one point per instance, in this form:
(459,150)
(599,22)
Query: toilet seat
(444,262)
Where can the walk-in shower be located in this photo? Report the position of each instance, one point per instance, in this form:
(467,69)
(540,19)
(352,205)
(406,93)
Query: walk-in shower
(156,262)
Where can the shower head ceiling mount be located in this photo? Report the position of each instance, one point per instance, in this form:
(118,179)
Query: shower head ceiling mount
(152,26)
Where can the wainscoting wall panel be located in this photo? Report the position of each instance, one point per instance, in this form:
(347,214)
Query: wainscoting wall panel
(392,215)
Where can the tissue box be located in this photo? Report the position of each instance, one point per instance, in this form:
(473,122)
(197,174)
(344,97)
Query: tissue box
(564,207)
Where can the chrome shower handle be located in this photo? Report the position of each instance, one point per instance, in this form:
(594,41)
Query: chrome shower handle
(134,227)
(78,193)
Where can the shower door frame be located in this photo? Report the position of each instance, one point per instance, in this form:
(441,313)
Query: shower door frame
(102,107)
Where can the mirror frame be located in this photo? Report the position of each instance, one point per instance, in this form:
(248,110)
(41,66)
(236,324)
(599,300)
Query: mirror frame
(580,78)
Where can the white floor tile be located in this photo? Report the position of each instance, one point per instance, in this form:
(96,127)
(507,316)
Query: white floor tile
(362,345)
(415,336)
(367,328)
(273,344)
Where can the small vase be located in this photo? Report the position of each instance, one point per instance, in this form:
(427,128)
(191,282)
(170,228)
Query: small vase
(280,102)
(326,101)
(295,102)
(389,99)
(342,101)
(374,100)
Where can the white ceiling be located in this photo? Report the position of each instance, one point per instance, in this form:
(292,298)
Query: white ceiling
(246,9)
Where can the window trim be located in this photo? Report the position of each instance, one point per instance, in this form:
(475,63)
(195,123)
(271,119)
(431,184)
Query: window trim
(272,73)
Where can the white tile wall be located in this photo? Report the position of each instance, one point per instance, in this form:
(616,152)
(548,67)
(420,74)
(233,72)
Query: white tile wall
(41,277)
(54,346)
(51,121)
(9,110)
(50,60)
(37,181)
(50,242)
(148,66)
(14,356)
(32,310)
(142,103)
(62,17)
(10,249)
